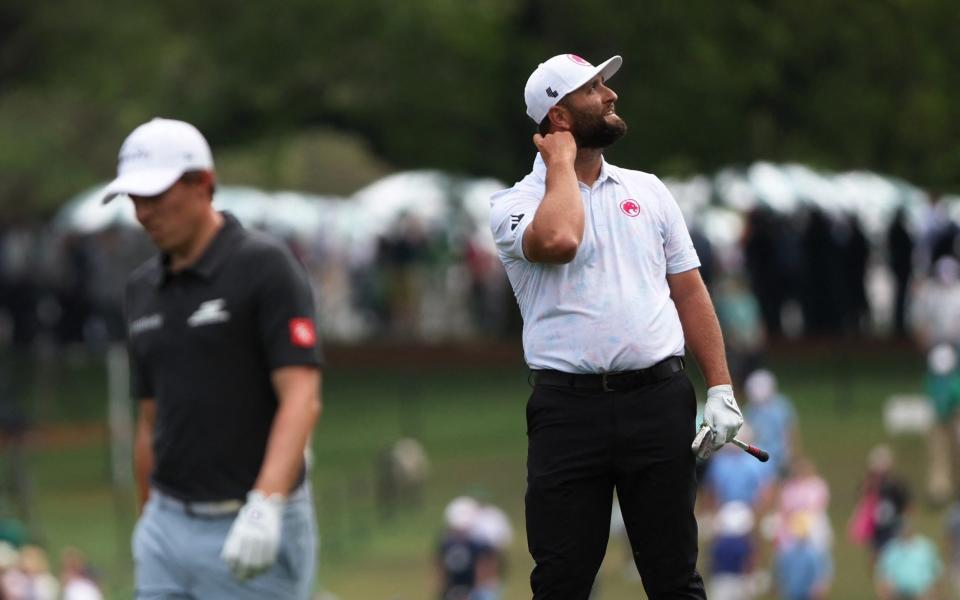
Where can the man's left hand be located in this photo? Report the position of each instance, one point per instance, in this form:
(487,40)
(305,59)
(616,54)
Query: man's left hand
(722,414)
(253,543)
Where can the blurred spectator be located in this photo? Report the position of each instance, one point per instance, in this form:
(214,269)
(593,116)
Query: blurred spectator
(855,253)
(825,289)
(938,234)
(742,325)
(900,258)
(401,256)
(732,553)
(883,497)
(772,420)
(762,252)
(942,386)
(460,557)
(20,280)
(732,475)
(31,579)
(807,493)
(491,529)
(8,561)
(909,567)
(402,471)
(76,577)
(803,568)
(935,311)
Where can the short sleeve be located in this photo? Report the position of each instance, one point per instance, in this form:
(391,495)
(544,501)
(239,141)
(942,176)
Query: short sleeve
(141,383)
(677,246)
(511,212)
(285,312)
(141,380)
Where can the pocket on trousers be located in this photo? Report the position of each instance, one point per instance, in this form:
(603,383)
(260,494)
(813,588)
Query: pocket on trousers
(534,408)
(298,548)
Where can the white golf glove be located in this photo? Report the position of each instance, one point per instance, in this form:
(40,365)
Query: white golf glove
(722,414)
(254,539)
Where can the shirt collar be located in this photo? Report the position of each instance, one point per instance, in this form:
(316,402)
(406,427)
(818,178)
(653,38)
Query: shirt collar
(213,257)
(606,170)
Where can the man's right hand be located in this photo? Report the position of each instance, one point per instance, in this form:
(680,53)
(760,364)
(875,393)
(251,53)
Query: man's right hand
(556,147)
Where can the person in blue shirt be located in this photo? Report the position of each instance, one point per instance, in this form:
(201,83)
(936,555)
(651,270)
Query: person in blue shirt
(772,418)
(732,475)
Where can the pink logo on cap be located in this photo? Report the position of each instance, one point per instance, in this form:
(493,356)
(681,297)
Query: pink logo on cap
(630,207)
(580,61)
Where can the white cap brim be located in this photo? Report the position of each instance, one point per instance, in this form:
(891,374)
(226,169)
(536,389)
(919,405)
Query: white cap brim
(607,68)
(142,182)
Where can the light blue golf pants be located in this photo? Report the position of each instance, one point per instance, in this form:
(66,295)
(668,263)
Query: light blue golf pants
(177,554)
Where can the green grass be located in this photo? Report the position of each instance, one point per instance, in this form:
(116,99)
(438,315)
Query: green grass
(471,421)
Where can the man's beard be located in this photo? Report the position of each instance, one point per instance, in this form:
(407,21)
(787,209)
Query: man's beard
(591,131)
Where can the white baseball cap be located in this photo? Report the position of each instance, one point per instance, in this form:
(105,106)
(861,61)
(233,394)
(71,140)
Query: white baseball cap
(461,513)
(155,155)
(554,79)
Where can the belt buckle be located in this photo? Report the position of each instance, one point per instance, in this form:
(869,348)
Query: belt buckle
(605,383)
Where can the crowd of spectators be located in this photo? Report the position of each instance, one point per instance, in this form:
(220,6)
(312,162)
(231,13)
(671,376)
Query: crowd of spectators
(25,574)
(810,273)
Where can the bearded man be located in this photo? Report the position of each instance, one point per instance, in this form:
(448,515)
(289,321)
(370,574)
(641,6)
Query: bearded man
(609,287)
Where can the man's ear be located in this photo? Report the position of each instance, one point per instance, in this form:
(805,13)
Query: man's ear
(208,180)
(560,118)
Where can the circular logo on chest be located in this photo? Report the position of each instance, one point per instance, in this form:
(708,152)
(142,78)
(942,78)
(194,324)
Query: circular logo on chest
(630,207)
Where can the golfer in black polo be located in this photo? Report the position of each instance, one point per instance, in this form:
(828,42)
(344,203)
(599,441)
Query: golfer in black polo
(606,277)
(224,362)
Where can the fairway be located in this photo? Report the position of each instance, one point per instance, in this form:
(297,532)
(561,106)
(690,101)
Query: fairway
(468,410)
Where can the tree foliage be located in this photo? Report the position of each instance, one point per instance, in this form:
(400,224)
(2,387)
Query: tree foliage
(439,83)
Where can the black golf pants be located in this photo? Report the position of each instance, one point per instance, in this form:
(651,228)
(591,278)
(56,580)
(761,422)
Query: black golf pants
(584,443)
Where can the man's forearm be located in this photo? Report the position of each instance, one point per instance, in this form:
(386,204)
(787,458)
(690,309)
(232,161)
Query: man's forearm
(701,330)
(556,231)
(143,465)
(299,407)
(561,212)
(143,450)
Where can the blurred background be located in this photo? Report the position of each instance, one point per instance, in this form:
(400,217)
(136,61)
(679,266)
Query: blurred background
(813,147)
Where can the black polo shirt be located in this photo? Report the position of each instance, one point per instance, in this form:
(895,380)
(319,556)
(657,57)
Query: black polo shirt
(202,343)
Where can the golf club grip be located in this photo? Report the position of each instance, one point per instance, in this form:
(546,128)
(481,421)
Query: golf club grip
(757,453)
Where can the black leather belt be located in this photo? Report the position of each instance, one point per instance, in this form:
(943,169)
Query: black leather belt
(611,382)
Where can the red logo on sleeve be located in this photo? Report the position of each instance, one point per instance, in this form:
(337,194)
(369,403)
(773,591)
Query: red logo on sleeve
(302,333)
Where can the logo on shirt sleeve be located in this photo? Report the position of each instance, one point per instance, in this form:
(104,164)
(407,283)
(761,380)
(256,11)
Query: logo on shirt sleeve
(302,333)
(515,220)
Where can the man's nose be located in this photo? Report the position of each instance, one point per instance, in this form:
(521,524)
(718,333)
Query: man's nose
(611,95)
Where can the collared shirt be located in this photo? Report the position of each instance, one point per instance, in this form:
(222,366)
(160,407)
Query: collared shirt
(610,308)
(203,343)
